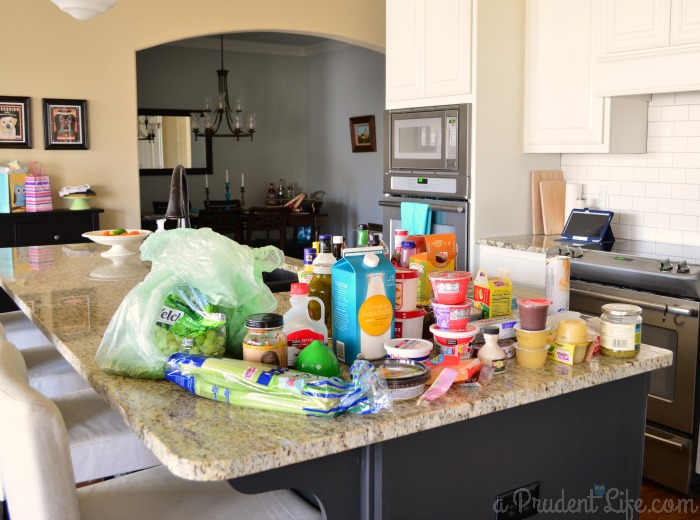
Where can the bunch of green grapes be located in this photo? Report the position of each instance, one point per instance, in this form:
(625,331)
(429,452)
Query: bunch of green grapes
(209,343)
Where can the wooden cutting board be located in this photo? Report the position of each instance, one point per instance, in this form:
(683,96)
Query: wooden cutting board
(553,195)
(535,178)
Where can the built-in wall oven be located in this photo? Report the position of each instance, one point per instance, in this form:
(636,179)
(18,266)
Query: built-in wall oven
(668,292)
(426,160)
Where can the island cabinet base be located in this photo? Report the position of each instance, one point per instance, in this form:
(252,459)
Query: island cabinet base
(583,449)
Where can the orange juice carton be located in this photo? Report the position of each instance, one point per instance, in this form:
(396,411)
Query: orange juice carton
(363,288)
(493,295)
(440,255)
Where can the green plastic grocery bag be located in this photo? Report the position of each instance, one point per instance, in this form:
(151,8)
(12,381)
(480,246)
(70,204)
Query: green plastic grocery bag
(226,274)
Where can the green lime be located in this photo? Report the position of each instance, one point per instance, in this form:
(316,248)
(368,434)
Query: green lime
(317,358)
(118,231)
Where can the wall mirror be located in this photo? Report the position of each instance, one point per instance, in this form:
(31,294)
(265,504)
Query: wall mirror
(165,139)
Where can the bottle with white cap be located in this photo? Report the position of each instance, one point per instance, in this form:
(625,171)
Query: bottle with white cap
(491,354)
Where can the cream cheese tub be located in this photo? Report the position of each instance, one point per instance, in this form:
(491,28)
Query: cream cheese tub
(408,348)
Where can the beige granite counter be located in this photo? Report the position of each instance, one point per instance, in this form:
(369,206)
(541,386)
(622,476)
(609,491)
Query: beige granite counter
(529,243)
(73,292)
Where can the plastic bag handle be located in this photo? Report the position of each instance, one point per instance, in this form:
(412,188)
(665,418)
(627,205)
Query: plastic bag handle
(322,319)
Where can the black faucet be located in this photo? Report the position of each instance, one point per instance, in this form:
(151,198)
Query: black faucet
(179,200)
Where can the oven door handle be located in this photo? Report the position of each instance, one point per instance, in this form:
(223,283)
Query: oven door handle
(433,207)
(658,307)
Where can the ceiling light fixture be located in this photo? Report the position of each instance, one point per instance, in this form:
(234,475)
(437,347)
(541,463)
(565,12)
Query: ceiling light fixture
(234,117)
(84,9)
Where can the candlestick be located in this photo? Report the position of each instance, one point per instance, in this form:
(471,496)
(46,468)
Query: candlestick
(206,181)
(226,176)
(242,197)
(242,180)
(206,192)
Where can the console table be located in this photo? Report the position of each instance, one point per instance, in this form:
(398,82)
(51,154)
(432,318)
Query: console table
(61,226)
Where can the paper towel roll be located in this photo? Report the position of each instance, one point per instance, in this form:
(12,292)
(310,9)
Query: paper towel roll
(556,287)
(573,193)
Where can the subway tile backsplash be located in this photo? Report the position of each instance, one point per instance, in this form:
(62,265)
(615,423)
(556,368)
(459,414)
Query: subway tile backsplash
(655,195)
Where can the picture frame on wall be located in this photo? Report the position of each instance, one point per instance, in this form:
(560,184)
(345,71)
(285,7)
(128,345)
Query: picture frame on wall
(362,134)
(15,122)
(65,124)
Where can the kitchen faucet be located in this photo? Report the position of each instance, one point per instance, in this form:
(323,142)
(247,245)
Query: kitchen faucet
(179,199)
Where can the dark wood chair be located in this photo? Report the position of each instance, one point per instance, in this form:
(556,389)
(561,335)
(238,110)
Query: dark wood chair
(227,223)
(225,205)
(267,219)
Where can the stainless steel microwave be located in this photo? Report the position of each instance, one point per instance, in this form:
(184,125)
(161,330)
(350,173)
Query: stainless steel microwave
(427,150)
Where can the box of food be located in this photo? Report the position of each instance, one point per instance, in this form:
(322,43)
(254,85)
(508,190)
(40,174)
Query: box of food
(440,255)
(12,197)
(493,295)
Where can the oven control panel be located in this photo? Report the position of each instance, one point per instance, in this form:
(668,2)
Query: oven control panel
(424,184)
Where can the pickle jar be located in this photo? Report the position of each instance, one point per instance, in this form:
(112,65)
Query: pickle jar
(265,341)
(620,330)
(320,286)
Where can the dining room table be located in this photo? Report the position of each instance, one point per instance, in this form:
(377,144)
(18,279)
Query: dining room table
(566,427)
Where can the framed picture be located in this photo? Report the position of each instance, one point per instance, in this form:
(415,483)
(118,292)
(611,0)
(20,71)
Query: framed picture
(362,134)
(65,124)
(15,117)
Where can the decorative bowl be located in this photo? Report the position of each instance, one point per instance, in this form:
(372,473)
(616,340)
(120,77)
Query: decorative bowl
(120,243)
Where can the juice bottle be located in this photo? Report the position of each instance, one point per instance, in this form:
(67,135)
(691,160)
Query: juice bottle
(299,328)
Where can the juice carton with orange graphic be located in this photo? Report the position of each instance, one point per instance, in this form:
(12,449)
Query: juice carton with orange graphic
(493,295)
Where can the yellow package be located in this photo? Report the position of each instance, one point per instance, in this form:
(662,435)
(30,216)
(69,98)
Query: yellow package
(493,295)
(440,255)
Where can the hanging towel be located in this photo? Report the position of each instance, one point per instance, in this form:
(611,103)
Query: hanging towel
(416,218)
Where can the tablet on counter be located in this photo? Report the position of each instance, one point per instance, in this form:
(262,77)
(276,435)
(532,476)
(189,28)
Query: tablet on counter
(589,226)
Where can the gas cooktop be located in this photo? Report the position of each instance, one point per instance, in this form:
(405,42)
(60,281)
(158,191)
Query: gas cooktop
(646,266)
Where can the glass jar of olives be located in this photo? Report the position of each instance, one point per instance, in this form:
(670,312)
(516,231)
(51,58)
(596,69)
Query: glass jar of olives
(620,330)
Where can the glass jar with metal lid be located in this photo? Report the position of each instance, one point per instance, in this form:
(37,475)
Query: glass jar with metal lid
(620,330)
(265,341)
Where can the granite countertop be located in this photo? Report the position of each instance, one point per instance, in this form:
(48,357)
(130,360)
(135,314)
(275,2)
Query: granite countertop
(71,293)
(529,243)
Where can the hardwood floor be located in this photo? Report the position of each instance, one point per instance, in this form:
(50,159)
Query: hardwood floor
(665,504)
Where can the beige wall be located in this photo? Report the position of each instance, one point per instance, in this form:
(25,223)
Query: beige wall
(52,55)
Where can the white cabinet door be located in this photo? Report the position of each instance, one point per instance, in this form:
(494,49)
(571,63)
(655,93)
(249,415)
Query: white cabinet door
(405,49)
(428,52)
(685,22)
(632,25)
(562,115)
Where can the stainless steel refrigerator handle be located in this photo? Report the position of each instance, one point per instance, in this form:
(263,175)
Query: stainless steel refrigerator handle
(433,207)
(658,307)
(680,445)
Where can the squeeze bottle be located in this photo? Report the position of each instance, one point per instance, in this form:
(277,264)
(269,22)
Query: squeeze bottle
(299,328)
(307,272)
(491,354)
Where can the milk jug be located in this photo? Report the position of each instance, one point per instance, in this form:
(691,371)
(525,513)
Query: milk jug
(299,328)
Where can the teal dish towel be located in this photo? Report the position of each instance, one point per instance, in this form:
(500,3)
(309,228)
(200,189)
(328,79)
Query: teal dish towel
(416,218)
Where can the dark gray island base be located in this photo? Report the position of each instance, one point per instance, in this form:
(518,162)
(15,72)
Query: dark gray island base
(583,450)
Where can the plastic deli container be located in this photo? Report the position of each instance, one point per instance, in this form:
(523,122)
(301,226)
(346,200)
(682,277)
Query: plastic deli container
(533,313)
(408,348)
(405,378)
(452,317)
(453,342)
(450,286)
(406,289)
(409,324)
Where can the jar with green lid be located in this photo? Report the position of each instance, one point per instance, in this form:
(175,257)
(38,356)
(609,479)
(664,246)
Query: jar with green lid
(320,287)
(265,341)
(620,330)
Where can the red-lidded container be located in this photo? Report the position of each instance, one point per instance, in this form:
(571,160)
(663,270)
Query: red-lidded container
(409,324)
(406,289)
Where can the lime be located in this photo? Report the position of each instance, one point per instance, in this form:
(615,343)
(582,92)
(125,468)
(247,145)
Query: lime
(119,231)
(317,358)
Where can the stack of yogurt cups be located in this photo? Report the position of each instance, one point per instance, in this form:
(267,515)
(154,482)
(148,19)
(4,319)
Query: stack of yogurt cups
(452,333)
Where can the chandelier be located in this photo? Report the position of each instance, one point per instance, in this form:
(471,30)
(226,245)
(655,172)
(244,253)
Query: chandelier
(84,9)
(238,124)
(149,129)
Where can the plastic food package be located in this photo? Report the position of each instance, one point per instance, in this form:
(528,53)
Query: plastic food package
(226,274)
(267,387)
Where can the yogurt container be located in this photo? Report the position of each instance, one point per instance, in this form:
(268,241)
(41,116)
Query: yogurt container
(409,324)
(408,348)
(454,342)
(406,289)
(451,317)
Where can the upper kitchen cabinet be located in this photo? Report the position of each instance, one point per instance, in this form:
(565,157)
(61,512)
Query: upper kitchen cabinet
(647,46)
(562,113)
(428,52)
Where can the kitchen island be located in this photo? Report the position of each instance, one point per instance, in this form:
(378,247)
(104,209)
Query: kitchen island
(576,431)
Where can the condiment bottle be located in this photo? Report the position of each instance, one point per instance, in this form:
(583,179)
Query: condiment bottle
(307,272)
(408,249)
(399,236)
(299,328)
(271,195)
(491,354)
(338,246)
(265,341)
(324,256)
(620,330)
(362,235)
(320,287)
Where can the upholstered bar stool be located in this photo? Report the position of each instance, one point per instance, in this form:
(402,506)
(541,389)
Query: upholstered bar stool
(38,475)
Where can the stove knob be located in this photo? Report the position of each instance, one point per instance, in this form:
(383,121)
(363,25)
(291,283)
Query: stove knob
(683,267)
(666,265)
(577,253)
